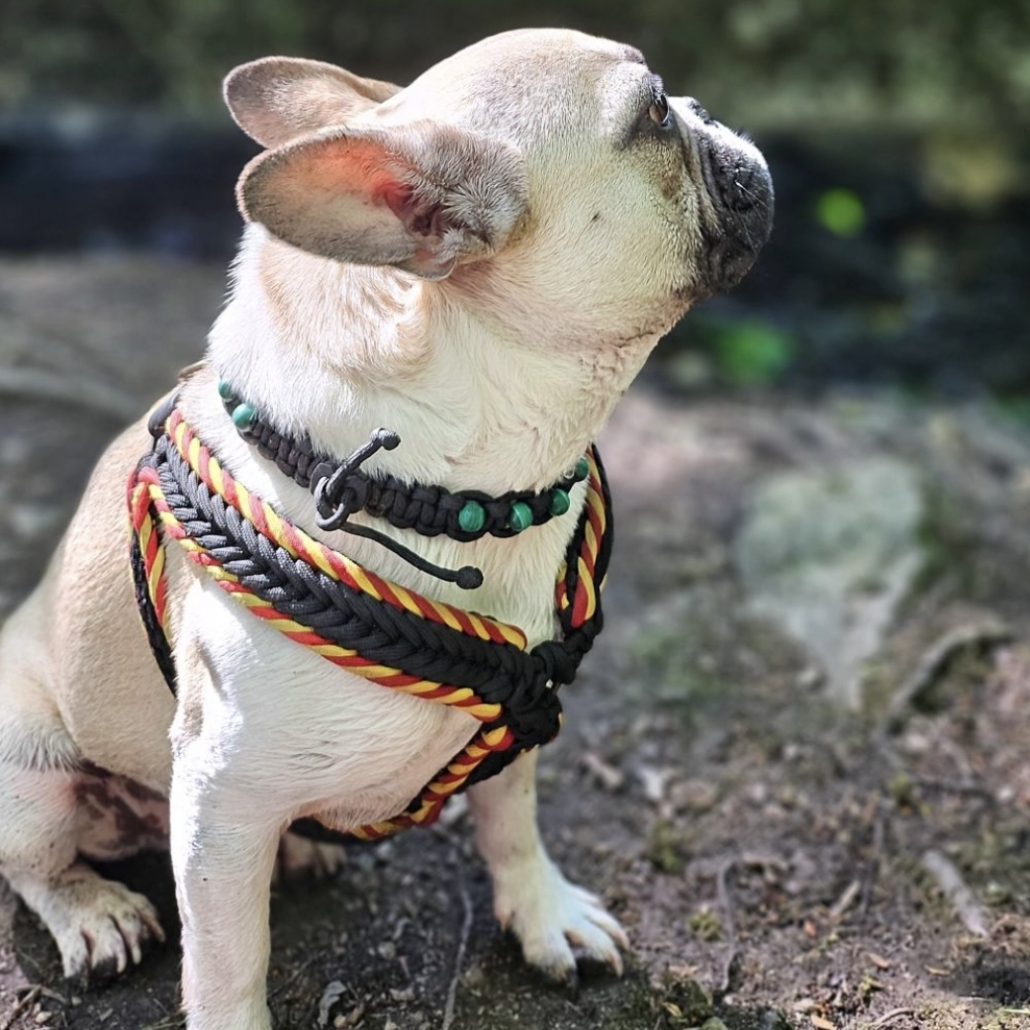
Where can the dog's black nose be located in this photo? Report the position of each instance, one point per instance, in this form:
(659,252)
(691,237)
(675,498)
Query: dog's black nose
(745,187)
(741,190)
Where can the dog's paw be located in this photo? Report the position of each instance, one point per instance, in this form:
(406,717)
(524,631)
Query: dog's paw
(557,922)
(300,858)
(102,927)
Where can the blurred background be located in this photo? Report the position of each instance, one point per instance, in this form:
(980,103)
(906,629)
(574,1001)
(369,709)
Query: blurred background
(807,721)
(897,133)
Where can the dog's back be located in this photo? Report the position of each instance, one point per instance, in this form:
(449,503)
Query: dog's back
(74,660)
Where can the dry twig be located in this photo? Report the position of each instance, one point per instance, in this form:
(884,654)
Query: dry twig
(606,774)
(23,1003)
(889,1017)
(459,961)
(934,660)
(846,900)
(167,1023)
(872,869)
(722,888)
(954,888)
(964,787)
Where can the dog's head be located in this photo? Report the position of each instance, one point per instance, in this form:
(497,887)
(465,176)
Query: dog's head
(544,168)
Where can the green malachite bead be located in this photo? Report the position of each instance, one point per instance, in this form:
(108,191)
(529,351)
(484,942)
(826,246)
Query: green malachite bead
(521,516)
(472,517)
(582,469)
(224,390)
(243,416)
(559,502)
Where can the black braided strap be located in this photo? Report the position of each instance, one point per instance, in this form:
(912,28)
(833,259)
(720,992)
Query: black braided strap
(524,684)
(428,510)
(151,623)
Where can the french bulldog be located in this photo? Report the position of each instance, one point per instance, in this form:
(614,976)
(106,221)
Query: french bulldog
(482,261)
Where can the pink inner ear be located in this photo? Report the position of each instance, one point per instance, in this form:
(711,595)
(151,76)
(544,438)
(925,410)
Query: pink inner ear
(358,169)
(419,219)
(396,196)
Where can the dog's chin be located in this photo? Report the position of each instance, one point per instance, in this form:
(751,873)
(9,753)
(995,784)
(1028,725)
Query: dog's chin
(740,188)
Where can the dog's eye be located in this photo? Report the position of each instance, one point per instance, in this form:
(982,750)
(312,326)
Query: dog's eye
(659,111)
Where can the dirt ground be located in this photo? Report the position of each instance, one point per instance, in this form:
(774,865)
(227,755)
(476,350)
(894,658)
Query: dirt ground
(788,845)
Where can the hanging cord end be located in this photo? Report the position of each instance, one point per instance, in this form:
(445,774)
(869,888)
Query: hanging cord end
(328,490)
(387,439)
(334,514)
(468,577)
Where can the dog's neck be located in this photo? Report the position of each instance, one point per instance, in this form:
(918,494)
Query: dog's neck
(337,350)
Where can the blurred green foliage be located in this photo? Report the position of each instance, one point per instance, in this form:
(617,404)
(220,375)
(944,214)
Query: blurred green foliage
(896,129)
(728,350)
(841,211)
(764,62)
(749,353)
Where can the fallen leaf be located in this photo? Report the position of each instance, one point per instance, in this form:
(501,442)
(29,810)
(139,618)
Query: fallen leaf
(333,992)
(846,900)
(878,960)
(353,1018)
(654,781)
(822,1024)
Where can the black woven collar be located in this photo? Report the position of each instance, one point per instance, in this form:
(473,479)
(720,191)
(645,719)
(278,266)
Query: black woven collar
(342,488)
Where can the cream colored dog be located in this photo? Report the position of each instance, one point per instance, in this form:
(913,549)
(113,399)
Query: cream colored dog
(481,261)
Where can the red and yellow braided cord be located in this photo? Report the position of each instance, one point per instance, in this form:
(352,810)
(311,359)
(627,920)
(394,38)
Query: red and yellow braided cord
(152,517)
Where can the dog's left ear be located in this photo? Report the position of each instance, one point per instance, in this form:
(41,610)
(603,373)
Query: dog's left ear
(421,197)
(277,99)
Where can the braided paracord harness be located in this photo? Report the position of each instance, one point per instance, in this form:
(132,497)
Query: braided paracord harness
(353,618)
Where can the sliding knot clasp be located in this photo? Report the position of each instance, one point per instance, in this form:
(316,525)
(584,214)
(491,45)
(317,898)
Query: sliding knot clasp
(344,491)
(340,494)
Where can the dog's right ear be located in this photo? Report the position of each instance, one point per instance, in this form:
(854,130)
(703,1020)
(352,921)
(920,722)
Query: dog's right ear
(423,197)
(278,99)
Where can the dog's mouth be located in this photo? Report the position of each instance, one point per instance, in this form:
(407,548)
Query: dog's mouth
(741,191)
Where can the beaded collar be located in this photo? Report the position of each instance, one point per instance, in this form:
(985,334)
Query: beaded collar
(342,488)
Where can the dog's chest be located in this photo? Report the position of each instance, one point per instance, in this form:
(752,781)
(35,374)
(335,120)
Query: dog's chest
(297,730)
(299,733)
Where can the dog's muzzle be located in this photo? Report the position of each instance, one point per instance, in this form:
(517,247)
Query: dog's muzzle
(741,191)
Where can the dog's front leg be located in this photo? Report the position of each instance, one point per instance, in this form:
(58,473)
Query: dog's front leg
(223,853)
(553,918)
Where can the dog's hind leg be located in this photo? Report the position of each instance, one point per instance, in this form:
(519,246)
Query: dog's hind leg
(99,926)
(553,919)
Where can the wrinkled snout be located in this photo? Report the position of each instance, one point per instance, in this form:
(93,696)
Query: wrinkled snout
(739,187)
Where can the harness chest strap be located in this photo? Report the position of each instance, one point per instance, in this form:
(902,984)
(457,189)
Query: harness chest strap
(353,618)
